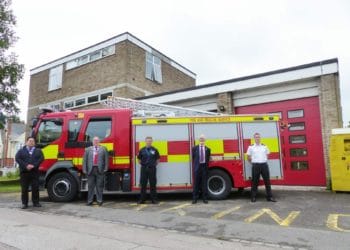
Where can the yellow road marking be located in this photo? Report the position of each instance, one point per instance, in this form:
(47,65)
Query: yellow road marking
(332,222)
(225,212)
(178,208)
(286,222)
(141,206)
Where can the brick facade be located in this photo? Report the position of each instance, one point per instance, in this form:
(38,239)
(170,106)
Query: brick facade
(122,73)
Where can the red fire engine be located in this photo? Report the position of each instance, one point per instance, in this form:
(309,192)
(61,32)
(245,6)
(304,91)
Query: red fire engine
(63,137)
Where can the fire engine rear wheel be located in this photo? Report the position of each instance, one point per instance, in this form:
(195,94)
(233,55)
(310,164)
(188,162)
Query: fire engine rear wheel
(219,184)
(62,187)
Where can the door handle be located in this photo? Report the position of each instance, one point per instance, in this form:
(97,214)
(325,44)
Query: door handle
(111,153)
(60,154)
(343,158)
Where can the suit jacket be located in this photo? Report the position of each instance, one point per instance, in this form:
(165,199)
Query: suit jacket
(195,157)
(23,158)
(102,160)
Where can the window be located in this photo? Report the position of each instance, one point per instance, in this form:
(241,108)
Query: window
(73,129)
(55,78)
(279,113)
(49,131)
(80,102)
(69,104)
(105,95)
(295,152)
(92,99)
(55,107)
(295,113)
(297,139)
(96,55)
(98,127)
(153,68)
(295,126)
(108,51)
(72,64)
(300,165)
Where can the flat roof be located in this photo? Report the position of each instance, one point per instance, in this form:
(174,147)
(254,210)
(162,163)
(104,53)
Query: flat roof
(114,40)
(276,76)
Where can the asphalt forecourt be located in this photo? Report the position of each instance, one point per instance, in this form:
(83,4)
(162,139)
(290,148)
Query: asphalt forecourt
(298,220)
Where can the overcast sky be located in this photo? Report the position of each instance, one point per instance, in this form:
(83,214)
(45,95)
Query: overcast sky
(217,40)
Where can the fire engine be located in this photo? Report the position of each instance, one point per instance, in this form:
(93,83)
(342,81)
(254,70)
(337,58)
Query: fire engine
(122,128)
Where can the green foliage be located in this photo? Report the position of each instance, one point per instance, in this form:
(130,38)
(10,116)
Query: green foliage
(13,175)
(10,70)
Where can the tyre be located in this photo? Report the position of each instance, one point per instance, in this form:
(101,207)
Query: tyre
(219,184)
(62,187)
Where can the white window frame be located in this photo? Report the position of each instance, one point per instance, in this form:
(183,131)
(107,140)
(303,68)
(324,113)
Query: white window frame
(156,68)
(104,52)
(55,78)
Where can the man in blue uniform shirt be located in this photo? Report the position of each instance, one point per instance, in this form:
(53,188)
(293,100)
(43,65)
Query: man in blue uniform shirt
(258,156)
(148,157)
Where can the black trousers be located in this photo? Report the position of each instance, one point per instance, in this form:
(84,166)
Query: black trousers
(27,179)
(263,170)
(200,182)
(148,174)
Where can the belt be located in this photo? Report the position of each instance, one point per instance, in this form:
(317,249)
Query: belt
(260,163)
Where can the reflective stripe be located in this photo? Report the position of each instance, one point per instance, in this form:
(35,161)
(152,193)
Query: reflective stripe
(178,158)
(214,119)
(121,160)
(271,143)
(50,152)
(108,145)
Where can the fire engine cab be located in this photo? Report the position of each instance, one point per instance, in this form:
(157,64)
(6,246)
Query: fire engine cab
(122,128)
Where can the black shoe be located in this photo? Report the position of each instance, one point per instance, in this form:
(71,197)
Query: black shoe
(141,202)
(253,199)
(205,201)
(24,206)
(37,205)
(155,202)
(100,203)
(194,201)
(89,204)
(271,199)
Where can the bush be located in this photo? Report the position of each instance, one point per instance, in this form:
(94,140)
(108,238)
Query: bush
(13,175)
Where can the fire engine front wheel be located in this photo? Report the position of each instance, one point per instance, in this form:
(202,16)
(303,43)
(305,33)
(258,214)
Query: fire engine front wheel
(219,184)
(62,187)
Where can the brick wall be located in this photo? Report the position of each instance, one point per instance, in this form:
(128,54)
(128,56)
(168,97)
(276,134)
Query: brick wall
(331,114)
(225,100)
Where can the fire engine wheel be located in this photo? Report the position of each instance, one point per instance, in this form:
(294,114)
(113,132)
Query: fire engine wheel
(62,187)
(219,184)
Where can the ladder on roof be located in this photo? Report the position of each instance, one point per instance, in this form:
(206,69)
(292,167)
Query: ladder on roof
(147,109)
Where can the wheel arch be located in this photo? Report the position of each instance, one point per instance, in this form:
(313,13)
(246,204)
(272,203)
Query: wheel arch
(62,166)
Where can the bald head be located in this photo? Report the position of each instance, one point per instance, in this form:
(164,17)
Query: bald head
(96,141)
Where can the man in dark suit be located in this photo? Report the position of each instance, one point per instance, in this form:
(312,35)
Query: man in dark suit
(201,158)
(29,159)
(95,165)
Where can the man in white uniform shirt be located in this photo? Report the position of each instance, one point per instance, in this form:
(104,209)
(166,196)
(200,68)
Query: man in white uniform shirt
(258,156)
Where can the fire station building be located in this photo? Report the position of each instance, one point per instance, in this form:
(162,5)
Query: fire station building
(307,98)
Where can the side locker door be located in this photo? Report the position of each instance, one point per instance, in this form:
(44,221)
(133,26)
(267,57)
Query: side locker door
(221,138)
(269,137)
(173,144)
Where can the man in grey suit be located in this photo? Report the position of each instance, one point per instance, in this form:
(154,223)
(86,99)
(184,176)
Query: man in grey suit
(95,164)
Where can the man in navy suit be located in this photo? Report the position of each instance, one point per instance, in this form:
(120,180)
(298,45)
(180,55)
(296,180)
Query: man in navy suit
(200,157)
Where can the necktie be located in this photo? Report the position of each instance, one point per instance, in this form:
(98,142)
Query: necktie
(95,156)
(201,154)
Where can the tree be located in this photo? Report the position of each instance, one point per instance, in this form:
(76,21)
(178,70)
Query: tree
(10,70)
